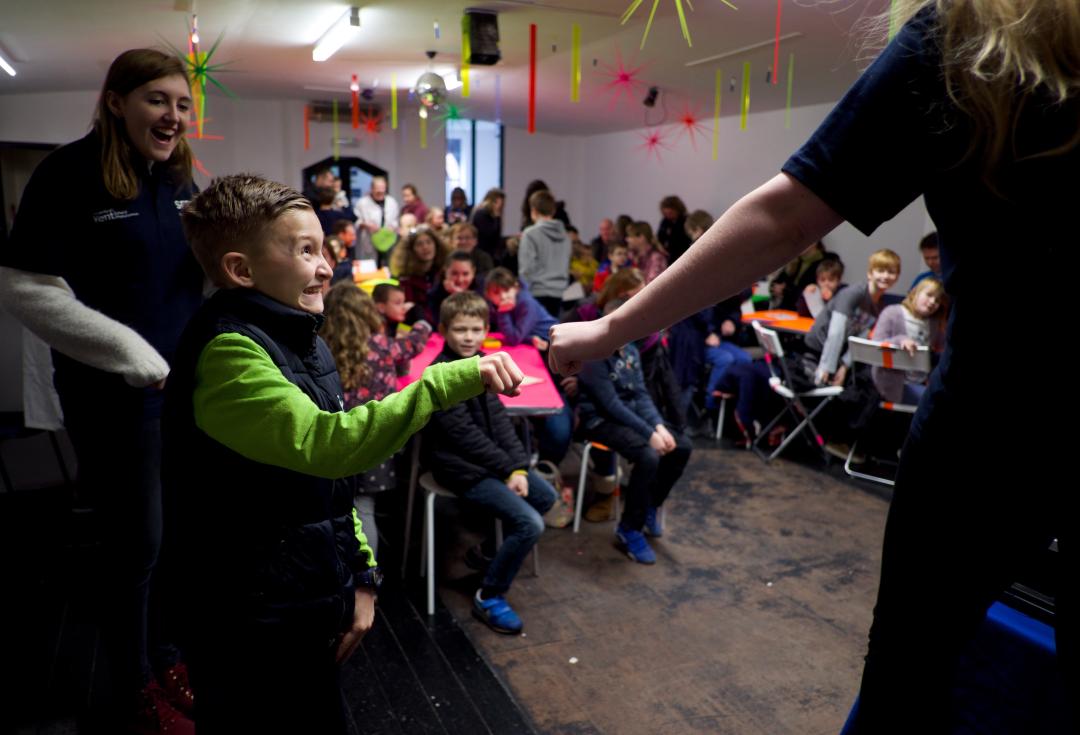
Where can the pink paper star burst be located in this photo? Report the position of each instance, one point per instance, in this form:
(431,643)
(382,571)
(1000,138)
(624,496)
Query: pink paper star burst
(691,125)
(652,142)
(370,122)
(622,79)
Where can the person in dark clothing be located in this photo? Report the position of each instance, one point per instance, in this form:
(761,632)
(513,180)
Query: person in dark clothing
(487,218)
(672,229)
(615,409)
(980,103)
(474,451)
(111,298)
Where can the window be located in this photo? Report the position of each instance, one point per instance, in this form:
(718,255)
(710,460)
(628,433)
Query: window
(473,157)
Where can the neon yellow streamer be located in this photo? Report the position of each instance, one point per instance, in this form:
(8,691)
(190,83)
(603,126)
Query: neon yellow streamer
(466,53)
(648,23)
(575,64)
(682,22)
(716,117)
(393,101)
(790,82)
(745,95)
(423,133)
(337,140)
(725,2)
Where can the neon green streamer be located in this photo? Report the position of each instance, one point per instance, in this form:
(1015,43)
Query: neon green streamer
(682,23)
(393,101)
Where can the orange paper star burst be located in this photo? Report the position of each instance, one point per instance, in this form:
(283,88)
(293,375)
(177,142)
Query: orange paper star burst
(690,124)
(622,79)
(652,142)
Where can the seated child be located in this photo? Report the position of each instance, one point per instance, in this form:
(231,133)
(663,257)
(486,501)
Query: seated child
(514,311)
(474,451)
(391,304)
(618,258)
(615,409)
(916,322)
(272,581)
(368,361)
(458,275)
(851,313)
(829,274)
(583,265)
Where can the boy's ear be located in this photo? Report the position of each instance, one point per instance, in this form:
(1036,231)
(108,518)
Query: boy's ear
(442,329)
(237,268)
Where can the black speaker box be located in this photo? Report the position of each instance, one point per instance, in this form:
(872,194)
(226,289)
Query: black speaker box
(483,37)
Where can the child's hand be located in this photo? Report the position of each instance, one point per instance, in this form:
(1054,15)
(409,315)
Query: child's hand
(727,328)
(540,343)
(363,619)
(839,375)
(669,440)
(657,442)
(712,340)
(910,346)
(569,385)
(500,374)
(519,485)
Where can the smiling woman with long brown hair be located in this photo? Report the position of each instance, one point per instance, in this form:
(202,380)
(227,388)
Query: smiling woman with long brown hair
(111,297)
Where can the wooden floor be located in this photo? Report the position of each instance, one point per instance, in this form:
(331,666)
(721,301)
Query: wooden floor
(753,620)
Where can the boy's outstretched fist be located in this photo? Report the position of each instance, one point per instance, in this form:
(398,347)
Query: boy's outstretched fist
(500,374)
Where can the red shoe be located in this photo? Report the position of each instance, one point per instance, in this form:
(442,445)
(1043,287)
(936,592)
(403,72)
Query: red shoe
(174,681)
(156,716)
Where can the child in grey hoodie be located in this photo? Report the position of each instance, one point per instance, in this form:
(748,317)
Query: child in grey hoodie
(544,254)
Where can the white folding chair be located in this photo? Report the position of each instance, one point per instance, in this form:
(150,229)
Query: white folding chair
(782,385)
(885,355)
(583,474)
(432,489)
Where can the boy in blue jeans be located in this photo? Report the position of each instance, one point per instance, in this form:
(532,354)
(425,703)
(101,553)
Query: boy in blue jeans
(271,576)
(474,451)
(615,409)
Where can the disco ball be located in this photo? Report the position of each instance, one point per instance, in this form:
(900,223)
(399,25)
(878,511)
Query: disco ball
(430,89)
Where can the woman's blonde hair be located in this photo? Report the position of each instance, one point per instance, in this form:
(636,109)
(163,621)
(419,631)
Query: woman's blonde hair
(997,56)
(403,262)
(351,319)
(927,284)
(129,71)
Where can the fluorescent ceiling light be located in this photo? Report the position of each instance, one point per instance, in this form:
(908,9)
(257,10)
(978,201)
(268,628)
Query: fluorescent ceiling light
(6,66)
(336,35)
(744,49)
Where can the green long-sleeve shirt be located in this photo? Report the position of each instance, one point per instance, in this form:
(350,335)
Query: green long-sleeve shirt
(243,401)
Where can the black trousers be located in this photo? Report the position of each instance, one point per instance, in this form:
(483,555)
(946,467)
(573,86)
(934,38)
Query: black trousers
(652,477)
(966,515)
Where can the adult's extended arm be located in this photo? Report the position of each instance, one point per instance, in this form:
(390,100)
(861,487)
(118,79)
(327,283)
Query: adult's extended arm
(759,233)
(47,306)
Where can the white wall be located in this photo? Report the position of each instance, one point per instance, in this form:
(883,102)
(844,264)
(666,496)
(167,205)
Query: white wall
(618,178)
(558,160)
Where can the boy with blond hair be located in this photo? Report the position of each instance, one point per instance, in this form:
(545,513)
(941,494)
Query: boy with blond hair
(274,576)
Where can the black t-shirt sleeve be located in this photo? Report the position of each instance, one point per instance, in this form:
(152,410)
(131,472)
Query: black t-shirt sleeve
(33,245)
(873,154)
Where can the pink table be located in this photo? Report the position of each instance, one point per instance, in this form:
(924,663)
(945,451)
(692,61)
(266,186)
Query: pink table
(538,399)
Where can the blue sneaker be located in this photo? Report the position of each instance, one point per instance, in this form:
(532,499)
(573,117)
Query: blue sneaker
(635,545)
(497,614)
(653,525)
